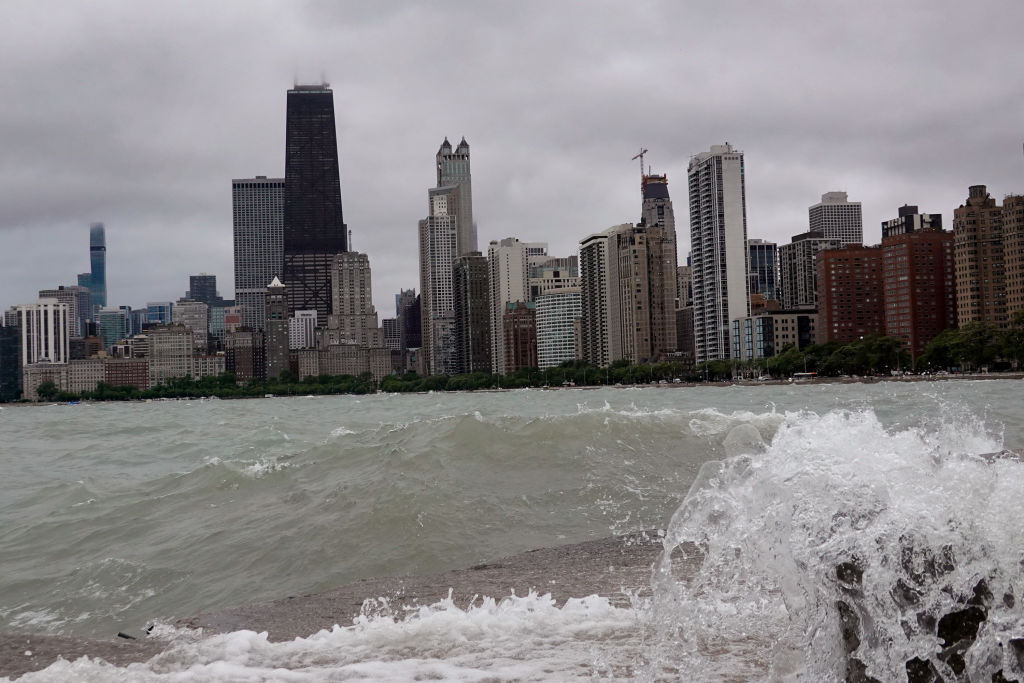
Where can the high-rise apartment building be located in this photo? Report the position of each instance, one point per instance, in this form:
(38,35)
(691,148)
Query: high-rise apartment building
(647,257)
(509,280)
(472,313)
(978,253)
(919,289)
(258,220)
(438,247)
(600,315)
(45,334)
(98,264)
(764,268)
(718,243)
(798,270)
(835,217)
(851,301)
(79,303)
(1013,250)
(909,219)
(558,311)
(453,173)
(314,227)
(277,328)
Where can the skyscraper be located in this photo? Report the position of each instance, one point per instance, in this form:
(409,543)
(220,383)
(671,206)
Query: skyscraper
(979,259)
(203,288)
(718,243)
(658,272)
(472,313)
(258,219)
(798,272)
(277,329)
(600,315)
(764,268)
(98,264)
(453,172)
(509,281)
(437,243)
(314,228)
(837,218)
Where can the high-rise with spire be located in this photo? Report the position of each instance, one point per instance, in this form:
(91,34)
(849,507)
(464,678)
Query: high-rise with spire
(453,172)
(314,228)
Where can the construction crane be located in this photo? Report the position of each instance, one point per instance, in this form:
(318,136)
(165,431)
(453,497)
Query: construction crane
(640,156)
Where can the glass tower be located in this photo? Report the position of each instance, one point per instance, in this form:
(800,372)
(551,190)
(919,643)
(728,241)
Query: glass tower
(98,264)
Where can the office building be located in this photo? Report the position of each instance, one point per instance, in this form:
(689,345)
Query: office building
(764,268)
(113,324)
(837,218)
(407,310)
(10,363)
(910,220)
(718,244)
(509,281)
(453,173)
(159,312)
(171,348)
(276,305)
(203,288)
(798,274)
(196,316)
(258,221)
(979,258)
(558,313)
(851,303)
(314,227)
(472,313)
(354,320)
(519,336)
(392,334)
(302,330)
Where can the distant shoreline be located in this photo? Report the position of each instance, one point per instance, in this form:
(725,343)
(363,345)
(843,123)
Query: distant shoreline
(669,385)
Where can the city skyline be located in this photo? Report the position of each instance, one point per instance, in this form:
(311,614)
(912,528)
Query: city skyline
(811,118)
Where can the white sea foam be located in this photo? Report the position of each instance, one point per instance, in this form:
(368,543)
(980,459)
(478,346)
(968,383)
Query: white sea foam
(524,638)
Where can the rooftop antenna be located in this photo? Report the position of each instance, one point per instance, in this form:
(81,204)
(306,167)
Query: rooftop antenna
(640,156)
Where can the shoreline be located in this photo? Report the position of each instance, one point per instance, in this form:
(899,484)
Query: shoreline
(669,385)
(608,567)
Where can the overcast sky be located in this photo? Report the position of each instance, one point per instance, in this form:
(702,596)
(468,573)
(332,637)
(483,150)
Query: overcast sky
(139,114)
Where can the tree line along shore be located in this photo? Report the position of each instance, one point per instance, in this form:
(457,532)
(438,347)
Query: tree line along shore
(974,348)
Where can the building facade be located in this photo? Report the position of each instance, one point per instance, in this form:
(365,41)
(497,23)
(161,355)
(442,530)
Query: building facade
(919,286)
(798,269)
(314,226)
(472,313)
(979,258)
(851,302)
(354,320)
(194,315)
(909,219)
(764,268)
(601,315)
(558,313)
(453,172)
(519,335)
(98,264)
(837,218)
(718,243)
(509,280)
(302,330)
(170,353)
(276,306)
(258,224)
(1013,250)
(45,333)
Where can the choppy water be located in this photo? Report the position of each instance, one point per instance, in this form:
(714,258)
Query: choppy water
(113,516)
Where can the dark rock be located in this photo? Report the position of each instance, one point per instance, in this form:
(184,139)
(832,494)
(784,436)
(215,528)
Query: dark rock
(921,671)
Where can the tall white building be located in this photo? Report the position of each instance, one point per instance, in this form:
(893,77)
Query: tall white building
(557,312)
(718,243)
(258,218)
(302,330)
(45,332)
(438,243)
(600,315)
(836,218)
(509,279)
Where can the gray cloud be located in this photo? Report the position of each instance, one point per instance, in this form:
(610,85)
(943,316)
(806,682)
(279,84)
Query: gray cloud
(139,115)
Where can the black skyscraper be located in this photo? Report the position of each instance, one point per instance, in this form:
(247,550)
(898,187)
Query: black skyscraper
(314,230)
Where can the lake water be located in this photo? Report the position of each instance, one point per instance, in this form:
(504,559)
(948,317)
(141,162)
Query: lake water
(116,516)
